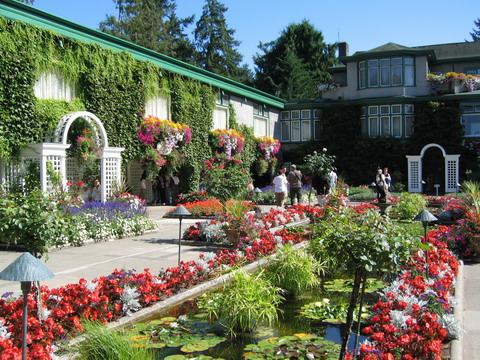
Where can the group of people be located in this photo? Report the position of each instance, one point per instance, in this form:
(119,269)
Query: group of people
(165,189)
(93,194)
(383,184)
(322,185)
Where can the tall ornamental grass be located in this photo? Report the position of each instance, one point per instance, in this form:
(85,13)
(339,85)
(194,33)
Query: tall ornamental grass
(244,303)
(295,271)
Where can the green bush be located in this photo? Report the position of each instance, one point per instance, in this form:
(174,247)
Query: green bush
(244,303)
(295,271)
(409,205)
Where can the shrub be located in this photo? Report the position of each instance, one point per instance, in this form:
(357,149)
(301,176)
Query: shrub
(243,304)
(409,205)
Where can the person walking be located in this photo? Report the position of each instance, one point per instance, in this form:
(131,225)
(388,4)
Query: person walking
(295,181)
(280,182)
(388,180)
(381,185)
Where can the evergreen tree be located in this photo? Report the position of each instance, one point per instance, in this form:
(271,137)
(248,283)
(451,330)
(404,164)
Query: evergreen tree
(29,2)
(294,65)
(215,44)
(152,24)
(476,32)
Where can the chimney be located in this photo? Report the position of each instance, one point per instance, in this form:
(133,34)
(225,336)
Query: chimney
(342,49)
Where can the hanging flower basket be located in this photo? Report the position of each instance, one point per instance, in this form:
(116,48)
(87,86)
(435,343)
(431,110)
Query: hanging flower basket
(228,141)
(267,147)
(162,141)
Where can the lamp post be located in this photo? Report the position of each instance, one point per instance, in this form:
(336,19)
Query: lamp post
(457,188)
(26,268)
(425,217)
(256,192)
(180,211)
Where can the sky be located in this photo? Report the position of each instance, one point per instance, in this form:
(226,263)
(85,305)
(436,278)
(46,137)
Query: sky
(364,25)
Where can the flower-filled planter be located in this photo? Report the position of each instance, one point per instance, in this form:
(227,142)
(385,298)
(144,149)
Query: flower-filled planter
(227,141)
(267,147)
(162,140)
(452,83)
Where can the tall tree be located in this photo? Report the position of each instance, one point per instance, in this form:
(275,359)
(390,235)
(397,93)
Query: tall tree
(30,2)
(295,64)
(215,44)
(476,32)
(152,24)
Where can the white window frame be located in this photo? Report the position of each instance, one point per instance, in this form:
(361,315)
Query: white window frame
(285,115)
(306,130)
(288,127)
(295,115)
(305,114)
(295,123)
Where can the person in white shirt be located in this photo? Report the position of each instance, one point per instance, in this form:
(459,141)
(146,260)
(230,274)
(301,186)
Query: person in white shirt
(280,182)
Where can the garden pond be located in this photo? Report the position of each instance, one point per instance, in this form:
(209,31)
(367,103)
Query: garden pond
(184,331)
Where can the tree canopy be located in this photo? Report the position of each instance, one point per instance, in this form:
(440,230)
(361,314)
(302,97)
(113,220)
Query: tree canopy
(295,64)
(215,43)
(476,32)
(152,24)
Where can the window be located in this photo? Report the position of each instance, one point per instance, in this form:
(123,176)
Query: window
(387,120)
(220,118)
(295,131)
(471,120)
(159,106)
(305,114)
(361,75)
(306,133)
(317,130)
(285,115)
(223,98)
(54,86)
(285,130)
(260,127)
(316,114)
(261,110)
(472,71)
(295,114)
(397,71)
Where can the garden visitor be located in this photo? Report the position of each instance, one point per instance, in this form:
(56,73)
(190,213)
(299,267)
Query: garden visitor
(381,185)
(143,186)
(332,181)
(321,186)
(388,179)
(85,194)
(280,182)
(157,186)
(295,181)
(96,194)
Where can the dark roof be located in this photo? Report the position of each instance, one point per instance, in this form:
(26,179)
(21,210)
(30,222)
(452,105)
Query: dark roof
(453,50)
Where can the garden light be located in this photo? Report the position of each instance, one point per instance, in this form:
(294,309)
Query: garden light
(425,217)
(180,211)
(25,269)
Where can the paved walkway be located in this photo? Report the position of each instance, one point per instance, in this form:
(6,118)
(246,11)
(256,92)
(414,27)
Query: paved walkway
(154,250)
(157,250)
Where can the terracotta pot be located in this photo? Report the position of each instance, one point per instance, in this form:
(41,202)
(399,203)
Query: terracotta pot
(234,235)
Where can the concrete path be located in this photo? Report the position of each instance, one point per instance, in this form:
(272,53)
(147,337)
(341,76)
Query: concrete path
(471,311)
(154,250)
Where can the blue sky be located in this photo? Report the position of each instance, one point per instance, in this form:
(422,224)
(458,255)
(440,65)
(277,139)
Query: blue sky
(362,24)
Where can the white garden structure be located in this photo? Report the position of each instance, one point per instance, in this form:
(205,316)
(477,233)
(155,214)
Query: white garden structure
(53,153)
(415,170)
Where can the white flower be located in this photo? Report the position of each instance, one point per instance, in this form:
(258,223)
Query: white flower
(451,324)
(129,300)
(399,318)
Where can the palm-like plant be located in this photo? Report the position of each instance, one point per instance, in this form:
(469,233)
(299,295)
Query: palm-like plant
(472,188)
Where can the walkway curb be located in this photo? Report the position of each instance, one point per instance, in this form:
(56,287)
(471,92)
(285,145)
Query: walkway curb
(456,352)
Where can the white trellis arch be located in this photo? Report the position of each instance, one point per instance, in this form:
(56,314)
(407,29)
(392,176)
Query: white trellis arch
(53,151)
(415,170)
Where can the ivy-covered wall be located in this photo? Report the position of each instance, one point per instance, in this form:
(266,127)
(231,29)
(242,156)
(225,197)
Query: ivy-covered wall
(357,156)
(112,85)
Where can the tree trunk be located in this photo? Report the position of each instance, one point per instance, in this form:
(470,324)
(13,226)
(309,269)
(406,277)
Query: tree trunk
(353,303)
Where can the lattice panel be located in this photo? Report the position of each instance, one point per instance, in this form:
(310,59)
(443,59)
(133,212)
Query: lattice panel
(74,172)
(452,174)
(55,165)
(111,171)
(414,175)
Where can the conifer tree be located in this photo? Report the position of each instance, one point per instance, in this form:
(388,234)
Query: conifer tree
(215,44)
(152,24)
(476,32)
(294,65)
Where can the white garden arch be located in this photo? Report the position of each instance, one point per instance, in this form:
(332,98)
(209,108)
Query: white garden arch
(415,170)
(53,152)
